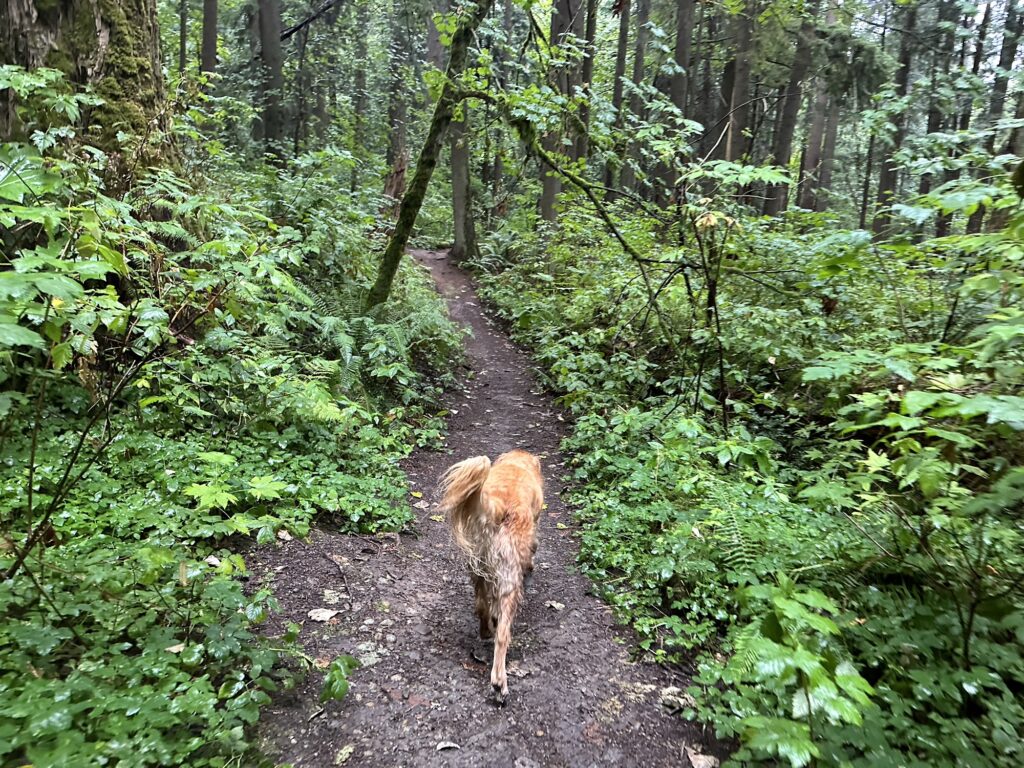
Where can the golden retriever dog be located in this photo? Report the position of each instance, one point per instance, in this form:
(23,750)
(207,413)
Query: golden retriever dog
(493,510)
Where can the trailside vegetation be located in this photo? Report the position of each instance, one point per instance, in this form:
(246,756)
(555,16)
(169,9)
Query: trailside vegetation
(186,372)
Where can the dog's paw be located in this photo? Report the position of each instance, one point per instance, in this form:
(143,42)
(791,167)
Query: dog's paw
(500,695)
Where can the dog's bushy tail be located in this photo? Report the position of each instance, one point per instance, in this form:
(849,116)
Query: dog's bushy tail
(459,485)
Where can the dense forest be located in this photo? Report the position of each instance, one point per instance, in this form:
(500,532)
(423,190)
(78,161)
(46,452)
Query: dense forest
(767,255)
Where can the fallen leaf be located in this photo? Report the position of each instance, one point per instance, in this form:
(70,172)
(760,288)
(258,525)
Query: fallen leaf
(323,663)
(213,560)
(697,760)
(175,648)
(283,535)
(344,754)
(322,614)
(555,604)
(416,494)
(416,700)
(443,745)
(332,596)
(561,526)
(437,518)
(422,504)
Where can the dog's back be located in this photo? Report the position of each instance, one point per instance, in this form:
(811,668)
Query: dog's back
(514,494)
(493,510)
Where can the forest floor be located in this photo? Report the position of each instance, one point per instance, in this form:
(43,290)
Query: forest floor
(404,608)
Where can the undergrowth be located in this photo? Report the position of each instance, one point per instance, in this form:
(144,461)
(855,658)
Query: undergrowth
(798,469)
(185,368)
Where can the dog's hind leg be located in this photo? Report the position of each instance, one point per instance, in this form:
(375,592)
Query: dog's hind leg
(502,638)
(483,607)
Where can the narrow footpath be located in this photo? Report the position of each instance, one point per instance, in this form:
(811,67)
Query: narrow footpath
(404,607)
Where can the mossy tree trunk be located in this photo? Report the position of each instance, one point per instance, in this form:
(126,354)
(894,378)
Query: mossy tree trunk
(464,243)
(112,45)
(360,97)
(272,75)
(397,157)
(412,200)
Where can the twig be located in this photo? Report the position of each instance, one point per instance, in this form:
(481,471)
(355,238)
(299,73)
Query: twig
(310,19)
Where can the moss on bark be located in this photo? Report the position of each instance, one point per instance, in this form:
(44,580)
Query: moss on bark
(112,45)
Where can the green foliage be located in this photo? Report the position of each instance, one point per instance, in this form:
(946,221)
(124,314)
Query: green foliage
(336,680)
(182,365)
(798,466)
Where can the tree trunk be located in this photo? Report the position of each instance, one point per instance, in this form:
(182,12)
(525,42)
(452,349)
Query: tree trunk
(498,172)
(782,142)
(577,29)
(1015,141)
(413,198)
(273,77)
(739,101)
(561,24)
(812,152)
(997,102)
(627,179)
(586,78)
(360,96)
(889,173)
(112,45)
(621,51)
(828,156)
(323,117)
(684,45)
(963,121)
(182,36)
(464,243)
(397,153)
(208,56)
(301,86)
(865,192)
(706,110)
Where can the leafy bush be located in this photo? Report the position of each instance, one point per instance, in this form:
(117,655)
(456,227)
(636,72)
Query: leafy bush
(797,457)
(181,365)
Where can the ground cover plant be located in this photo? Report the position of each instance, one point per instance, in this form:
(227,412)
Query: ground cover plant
(815,501)
(185,364)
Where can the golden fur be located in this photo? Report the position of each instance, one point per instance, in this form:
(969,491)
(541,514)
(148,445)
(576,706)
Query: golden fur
(493,511)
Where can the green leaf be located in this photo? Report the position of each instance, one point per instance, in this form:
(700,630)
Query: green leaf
(266,487)
(336,679)
(22,175)
(14,335)
(780,737)
(212,495)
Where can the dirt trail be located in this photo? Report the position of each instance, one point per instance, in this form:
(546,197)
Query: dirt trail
(406,609)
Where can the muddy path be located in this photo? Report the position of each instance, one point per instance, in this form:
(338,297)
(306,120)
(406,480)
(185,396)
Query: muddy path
(405,609)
